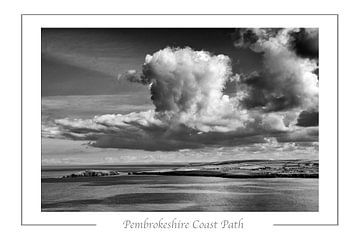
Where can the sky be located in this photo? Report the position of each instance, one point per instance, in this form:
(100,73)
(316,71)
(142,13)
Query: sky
(123,96)
(88,61)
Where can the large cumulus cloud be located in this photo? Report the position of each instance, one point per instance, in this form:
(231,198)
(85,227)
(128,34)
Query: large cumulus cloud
(287,80)
(191,109)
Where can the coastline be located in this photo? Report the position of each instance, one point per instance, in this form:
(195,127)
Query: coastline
(297,168)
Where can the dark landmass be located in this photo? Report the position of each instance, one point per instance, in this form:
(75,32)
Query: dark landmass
(227,169)
(93,173)
(247,169)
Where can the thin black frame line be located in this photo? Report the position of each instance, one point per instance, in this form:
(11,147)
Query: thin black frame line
(305,225)
(21,143)
(56,225)
(337,140)
(21,118)
(180,14)
(337,15)
(337,128)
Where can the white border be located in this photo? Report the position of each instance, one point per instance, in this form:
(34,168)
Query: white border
(31,193)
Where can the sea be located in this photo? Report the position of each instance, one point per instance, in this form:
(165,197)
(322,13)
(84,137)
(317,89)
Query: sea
(172,193)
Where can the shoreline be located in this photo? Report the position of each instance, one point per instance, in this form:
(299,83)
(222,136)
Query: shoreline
(226,175)
(226,169)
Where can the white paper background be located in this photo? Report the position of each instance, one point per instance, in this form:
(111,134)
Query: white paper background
(349,113)
(32,118)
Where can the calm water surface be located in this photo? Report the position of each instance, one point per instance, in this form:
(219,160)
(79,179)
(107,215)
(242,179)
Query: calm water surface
(177,193)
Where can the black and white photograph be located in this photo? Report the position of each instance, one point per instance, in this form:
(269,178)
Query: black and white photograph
(180,119)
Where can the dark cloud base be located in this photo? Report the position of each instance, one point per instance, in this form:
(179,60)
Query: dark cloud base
(306,43)
(307,119)
(162,139)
